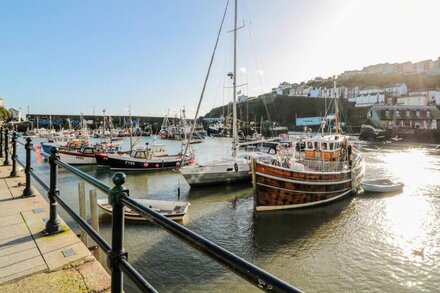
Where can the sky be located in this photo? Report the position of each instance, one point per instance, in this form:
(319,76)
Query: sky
(72,57)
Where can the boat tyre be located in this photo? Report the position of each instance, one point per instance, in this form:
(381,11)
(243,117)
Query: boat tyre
(236,167)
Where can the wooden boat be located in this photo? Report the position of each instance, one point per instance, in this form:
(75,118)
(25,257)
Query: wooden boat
(326,169)
(174,210)
(382,185)
(308,180)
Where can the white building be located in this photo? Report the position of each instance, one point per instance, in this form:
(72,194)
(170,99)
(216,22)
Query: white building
(396,90)
(15,115)
(369,100)
(433,95)
(282,89)
(369,90)
(413,101)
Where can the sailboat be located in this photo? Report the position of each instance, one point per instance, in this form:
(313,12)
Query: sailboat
(232,169)
(328,168)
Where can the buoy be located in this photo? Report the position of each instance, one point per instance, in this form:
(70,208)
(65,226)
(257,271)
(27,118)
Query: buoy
(145,165)
(157,165)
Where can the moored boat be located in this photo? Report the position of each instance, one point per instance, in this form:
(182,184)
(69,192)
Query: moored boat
(324,169)
(173,210)
(149,158)
(313,177)
(84,156)
(382,185)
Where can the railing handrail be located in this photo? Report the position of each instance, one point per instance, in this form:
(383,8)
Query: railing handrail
(118,197)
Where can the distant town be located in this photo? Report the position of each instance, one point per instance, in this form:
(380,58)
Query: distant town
(394,84)
(427,93)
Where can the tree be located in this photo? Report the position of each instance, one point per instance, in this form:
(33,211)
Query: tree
(5,115)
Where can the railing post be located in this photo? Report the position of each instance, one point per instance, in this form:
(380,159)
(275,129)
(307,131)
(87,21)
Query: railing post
(28,190)
(1,142)
(14,155)
(117,253)
(53,225)
(6,161)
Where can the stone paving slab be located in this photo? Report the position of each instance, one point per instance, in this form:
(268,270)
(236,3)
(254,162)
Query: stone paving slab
(32,262)
(85,277)
(10,220)
(16,244)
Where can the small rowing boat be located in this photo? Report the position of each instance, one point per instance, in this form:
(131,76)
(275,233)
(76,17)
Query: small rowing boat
(381,185)
(173,210)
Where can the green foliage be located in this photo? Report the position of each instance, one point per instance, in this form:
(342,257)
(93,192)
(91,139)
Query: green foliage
(5,115)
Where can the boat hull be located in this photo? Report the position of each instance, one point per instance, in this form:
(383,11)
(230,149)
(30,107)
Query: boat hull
(130,164)
(216,174)
(281,188)
(101,159)
(75,158)
(175,211)
(382,185)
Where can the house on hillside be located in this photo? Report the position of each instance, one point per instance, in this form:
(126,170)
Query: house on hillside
(404,116)
(432,94)
(15,114)
(396,90)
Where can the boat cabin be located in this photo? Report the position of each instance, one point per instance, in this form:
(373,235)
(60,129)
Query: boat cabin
(87,150)
(328,147)
(150,151)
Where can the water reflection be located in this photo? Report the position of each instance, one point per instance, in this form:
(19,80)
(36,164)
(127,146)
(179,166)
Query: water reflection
(371,242)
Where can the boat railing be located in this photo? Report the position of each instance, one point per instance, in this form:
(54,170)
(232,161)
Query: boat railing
(323,166)
(118,196)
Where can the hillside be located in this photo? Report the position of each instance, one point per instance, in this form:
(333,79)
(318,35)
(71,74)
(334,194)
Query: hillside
(284,109)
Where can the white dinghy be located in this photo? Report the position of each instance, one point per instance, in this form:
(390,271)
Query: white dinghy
(173,210)
(381,185)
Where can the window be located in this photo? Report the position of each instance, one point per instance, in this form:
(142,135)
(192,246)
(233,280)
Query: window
(428,113)
(324,146)
(316,144)
(418,113)
(88,151)
(397,112)
(309,145)
(331,146)
(387,112)
(140,155)
(407,113)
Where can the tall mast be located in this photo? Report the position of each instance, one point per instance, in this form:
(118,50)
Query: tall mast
(234,88)
(336,109)
(103,124)
(131,128)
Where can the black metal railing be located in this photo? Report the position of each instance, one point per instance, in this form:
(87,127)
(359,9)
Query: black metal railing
(118,196)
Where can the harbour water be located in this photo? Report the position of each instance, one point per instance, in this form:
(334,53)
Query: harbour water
(366,243)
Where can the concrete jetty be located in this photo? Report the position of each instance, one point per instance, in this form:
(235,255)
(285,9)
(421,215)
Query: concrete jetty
(31,262)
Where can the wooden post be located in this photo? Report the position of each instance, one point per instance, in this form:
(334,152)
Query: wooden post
(254,180)
(94,218)
(82,208)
